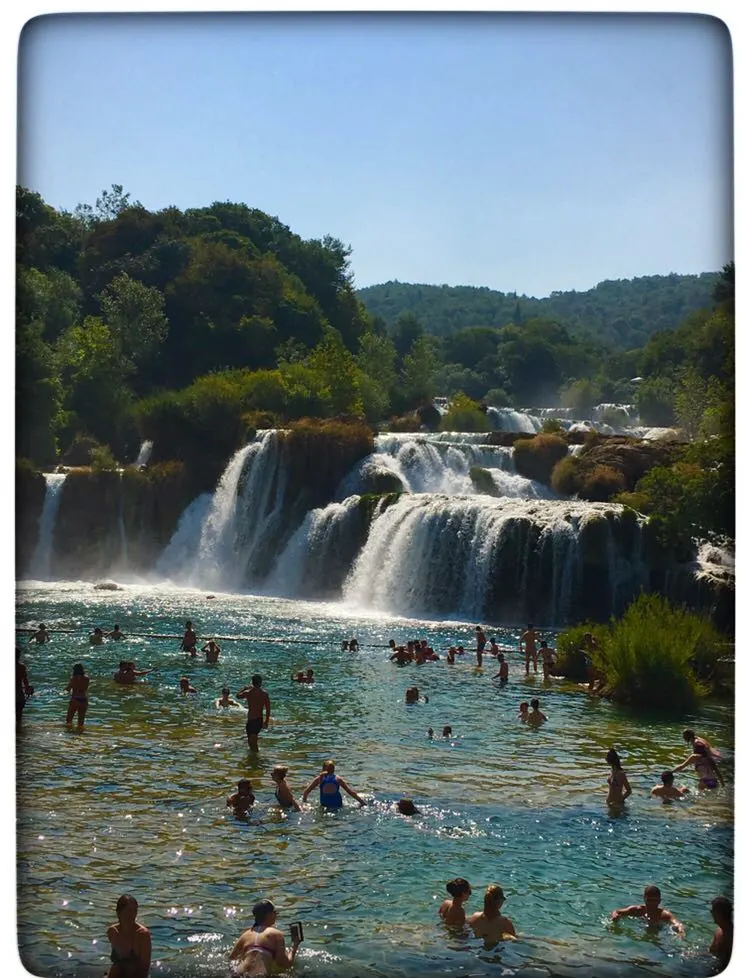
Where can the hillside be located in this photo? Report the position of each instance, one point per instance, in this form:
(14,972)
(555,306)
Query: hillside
(622,313)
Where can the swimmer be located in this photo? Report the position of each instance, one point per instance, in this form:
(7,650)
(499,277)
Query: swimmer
(260,950)
(127,673)
(536,717)
(298,677)
(460,650)
(528,642)
(115,633)
(523,712)
(258,701)
(96,637)
(490,923)
(354,645)
(131,942)
(667,790)
(40,636)
(494,648)
(452,911)
(690,738)
(23,688)
(212,650)
(189,640)
(447,731)
(412,695)
(450,657)
(619,786)
(329,784)
(430,732)
(309,676)
(78,685)
(502,672)
(283,792)
(548,658)
(185,686)
(650,909)
(721,945)
(225,699)
(243,799)
(481,642)
(406,806)
(709,775)
(401,656)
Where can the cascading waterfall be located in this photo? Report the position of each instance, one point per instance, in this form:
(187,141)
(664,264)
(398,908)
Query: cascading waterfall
(41,561)
(480,557)
(144,454)
(318,556)
(243,516)
(121,527)
(508,419)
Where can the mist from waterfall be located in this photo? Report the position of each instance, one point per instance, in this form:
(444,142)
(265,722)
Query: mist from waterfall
(39,569)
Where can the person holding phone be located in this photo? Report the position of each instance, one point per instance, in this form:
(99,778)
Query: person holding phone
(260,950)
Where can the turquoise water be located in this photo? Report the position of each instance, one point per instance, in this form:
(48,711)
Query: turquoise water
(137,802)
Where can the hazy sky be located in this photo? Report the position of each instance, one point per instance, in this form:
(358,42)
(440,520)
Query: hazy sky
(527,153)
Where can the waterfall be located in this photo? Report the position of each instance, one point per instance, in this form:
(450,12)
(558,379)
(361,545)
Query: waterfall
(121,526)
(40,562)
(481,557)
(508,419)
(178,557)
(317,558)
(144,454)
(239,524)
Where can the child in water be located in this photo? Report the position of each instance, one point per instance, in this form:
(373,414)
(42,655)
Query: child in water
(452,911)
(283,792)
(243,799)
(225,699)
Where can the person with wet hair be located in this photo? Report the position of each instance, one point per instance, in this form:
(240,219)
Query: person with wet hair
(243,799)
(225,700)
(131,942)
(185,686)
(40,636)
(330,784)
(189,640)
(709,775)
(667,790)
(490,923)
(536,717)
(260,950)
(619,786)
(721,945)
(78,686)
(452,911)
(283,792)
(447,731)
(652,911)
(689,736)
(212,650)
(406,806)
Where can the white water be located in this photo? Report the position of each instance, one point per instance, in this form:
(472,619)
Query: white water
(508,419)
(144,454)
(121,527)
(40,562)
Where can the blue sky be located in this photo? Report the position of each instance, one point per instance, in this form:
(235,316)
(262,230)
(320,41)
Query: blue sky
(525,153)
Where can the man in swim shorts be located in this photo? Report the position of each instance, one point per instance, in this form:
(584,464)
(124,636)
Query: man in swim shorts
(258,702)
(528,640)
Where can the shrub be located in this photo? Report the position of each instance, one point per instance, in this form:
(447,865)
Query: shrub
(552,426)
(497,397)
(79,450)
(464,414)
(483,481)
(570,660)
(656,656)
(536,457)
(599,484)
(565,478)
(404,423)
(615,417)
(102,459)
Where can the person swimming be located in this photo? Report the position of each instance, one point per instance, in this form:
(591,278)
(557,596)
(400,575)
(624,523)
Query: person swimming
(452,911)
(650,909)
(283,792)
(243,799)
(405,806)
(225,699)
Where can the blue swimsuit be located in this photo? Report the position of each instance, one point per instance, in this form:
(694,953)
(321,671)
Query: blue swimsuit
(330,799)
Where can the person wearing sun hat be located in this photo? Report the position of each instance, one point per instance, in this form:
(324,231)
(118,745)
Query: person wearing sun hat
(490,923)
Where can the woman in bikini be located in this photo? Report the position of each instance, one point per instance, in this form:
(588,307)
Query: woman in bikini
(619,787)
(131,942)
(709,775)
(260,950)
(78,688)
(283,792)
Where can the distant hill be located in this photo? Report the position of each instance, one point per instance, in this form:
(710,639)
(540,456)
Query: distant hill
(623,313)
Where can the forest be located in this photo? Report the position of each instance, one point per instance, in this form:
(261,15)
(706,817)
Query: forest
(191,327)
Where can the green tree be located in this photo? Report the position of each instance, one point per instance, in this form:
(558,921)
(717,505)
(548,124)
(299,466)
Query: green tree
(337,367)
(135,315)
(418,373)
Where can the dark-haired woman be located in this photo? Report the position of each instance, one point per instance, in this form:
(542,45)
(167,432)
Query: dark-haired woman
(260,950)
(452,911)
(619,787)
(131,942)
(709,775)
(78,686)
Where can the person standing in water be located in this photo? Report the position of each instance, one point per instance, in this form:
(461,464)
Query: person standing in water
(260,950)
(40,636)
(330,783)
(528,642)
(619,787)
(78,688)
(115,633)
(185,686)
(502,672)
(189,640)
(131,942)
(243,799)
(258,702)
(212,650)
(709,775)
(667,790)
(452,911)
(536,717)
(490,923)
(651,910)
(96,637)
(283,792)
(721,945)
(24,689)
(548,658)
(481,642)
